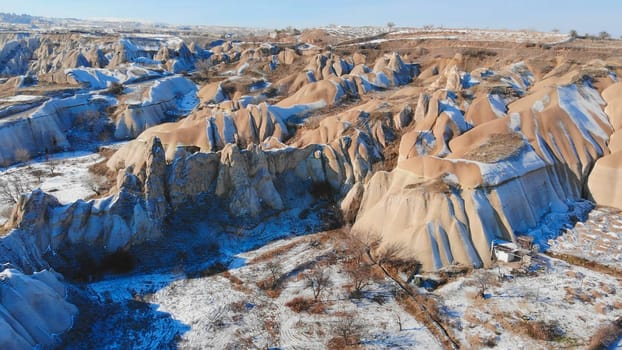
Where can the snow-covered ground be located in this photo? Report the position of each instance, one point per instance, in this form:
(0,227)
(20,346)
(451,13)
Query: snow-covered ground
(573,300)
(65,175)
(220,310)
(599,238)
(517,36)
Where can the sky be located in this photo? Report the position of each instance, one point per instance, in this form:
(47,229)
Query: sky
(584,16)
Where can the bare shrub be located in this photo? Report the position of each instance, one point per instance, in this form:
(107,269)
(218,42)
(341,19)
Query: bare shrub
(389,252)
(498,147)
(53,166)
(300,304)
(361,278)
(102,178)
(317,308)
(38,174)
(540,330)
(238,306)
(203,68)
(348,329)
(115,88)
(318,281)
(606,336)
(274,253)
(12,187)
(479,53)
(484,281)
(489,341)
(275,272)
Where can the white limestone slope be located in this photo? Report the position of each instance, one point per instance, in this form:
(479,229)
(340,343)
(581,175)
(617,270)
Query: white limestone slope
(447,209)
(151,103)
(44,129)
(33,309)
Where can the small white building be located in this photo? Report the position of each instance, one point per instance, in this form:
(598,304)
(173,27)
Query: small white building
(506,251)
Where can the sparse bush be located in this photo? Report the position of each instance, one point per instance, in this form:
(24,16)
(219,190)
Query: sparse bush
(606,336)
(318,281)
(275,272)
(213,270)
(37,173)
(228,90)
(12,187)
(541,330)
(389,252)
(479,53)
(348,329)
(604,35)
(115,88)
(300,304)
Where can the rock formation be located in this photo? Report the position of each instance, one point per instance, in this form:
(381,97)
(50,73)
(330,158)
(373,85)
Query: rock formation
(33,309)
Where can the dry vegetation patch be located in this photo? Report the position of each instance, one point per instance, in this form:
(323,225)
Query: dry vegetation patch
(606,336)
(498,147)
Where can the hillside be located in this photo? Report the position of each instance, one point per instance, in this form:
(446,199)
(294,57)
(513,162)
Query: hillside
(338,187)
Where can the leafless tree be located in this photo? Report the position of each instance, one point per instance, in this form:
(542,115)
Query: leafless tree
(484,280)
(204,68)
(318,280)
(389,252)
(53,165)
(38,173)
(98,184)
(275,271)
(361,276)
(348,329)
(12,187)
(369,242)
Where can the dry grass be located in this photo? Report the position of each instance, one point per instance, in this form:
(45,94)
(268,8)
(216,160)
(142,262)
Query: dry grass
(236,283)
(480,341)
(479,53)
(592,265)
(102,171)
(272,288)
(539,330)
(431,186)
(498,147)
(338,343)
(300,304)
(276,252)
(606,336)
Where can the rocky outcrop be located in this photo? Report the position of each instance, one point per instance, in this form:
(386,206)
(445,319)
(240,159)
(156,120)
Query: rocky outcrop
(33,309)
(495,181)
(16,53)
(132,215)
(153,103)
(604,181)
(44,129)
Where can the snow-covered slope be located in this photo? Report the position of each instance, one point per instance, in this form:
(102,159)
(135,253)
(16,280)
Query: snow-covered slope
(33,309)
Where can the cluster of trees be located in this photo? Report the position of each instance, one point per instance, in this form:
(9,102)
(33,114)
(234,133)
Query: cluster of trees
(601,36)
